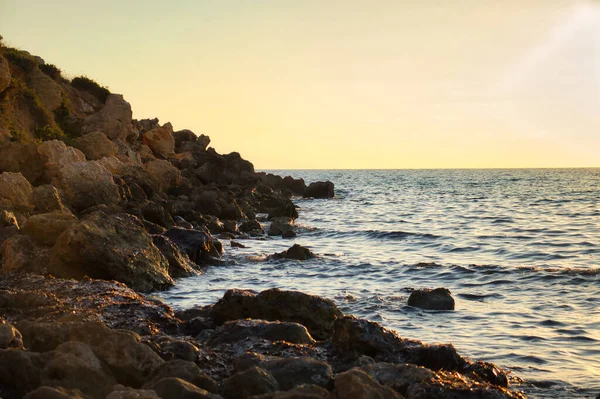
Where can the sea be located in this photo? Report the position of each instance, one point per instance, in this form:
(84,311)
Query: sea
(519,249)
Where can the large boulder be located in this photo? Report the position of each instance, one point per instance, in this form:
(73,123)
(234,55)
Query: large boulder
(18,253)
(5,76)
(21,371)
(433,299)
(237,330)
(56,155)
(47,199)
(254,381)
(96,145)
(184,136)
(22,157)
(317,314)
(161,141)
(180,264)
(110,247)
(320,189)
(15,192)
(296,251)
(356,383)
(47,90)
(166,174)
(187,371)
(176,388)
(114,119)
(45,228)
(87,184)
(198,245)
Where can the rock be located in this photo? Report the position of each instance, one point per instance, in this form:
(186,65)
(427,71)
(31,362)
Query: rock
(187,371)
(56,155)
(317,314)
(300,392)
(10,337)
(254,381)
(180,264)
(203,140)
(139,176)
(20,371)
(19,254)
(114,247)
(47,199)
(161,141)
(280,225)
(236,330)
(15,191)
(45,228)
(289,234)
(319,190)
(165,174)
(231,226)
(47,90)
(356,383)
(114,119)
(182,350)
(7,232)
(121,392)
(198,245)
(156,213)
(175,388)
(8,219)
(437,299)
(74,365)
(210,172)
(87,184)
(181,222)
(487,372)
(435,357)
(399,377)
(111,163)
(5,76)
(296,251)
(296,185)
(235,244)
(23,158)
(96,145)
(183,136)
(293,372)
(251,226)
(54,393)
(279,207)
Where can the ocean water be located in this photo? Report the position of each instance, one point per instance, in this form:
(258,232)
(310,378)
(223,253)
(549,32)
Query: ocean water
(518,249)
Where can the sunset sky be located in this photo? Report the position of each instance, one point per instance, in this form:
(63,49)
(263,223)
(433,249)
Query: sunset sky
(343,84)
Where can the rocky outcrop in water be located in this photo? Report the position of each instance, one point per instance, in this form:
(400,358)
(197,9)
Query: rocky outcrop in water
(433,299)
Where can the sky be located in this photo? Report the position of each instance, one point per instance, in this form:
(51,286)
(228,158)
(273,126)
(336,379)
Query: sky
(309,84)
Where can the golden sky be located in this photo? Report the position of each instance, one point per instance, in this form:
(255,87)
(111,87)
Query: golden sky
(343,84)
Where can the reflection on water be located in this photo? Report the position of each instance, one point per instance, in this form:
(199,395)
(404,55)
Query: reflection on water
(519,249)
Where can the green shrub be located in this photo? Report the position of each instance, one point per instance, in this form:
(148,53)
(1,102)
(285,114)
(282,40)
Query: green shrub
(89,85)
(48,132)
(20,58)
(51,70)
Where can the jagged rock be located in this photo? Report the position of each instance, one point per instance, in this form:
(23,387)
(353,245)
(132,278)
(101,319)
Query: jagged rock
(203,140)
(236,330)
(251,226)
(47,199)
(175,388)
(254,381)
(20,254)
(111,163)
(356,383)
(74,365)
(187,371)
(230,226)
(87,184)
(319,189)
(183,136)
(160,140)
(133,174)
(235,244)
(114,119)
(198,245)
(182,350)
(45,228)
(280,225)
(121,392)
(277,207)
(298,186)
(399,377)
(296,251)
(180,264)
(22,157)
(156,213)
(300,392)
(15,191)
(10,337)
(56,155)
(488,372)
(47,90)
(317,314)
(5,76)
(21,370)
(143,125)
(96,145)
(436,299)
(210,172)
(288,234)
(112,247)
(54,393)
(166,174)
(8,219)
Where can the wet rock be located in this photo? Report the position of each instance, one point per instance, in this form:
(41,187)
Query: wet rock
(250,226)
(293,372)
(280,225)
(87,184)
(231,226)
(317,314)
(399,377)
(54,393)
(160,140)
(23,158)
(121,392)
(166,174)
(187,371)
(436,299)
(319,190)
(96,145)
(181,350)
(296,251)
(198,245)
(180,264)
(10,337)
(435,357)
(300,392)
(74,365)
(175,388)
(155,212)
(181,222)
(235,244)
(236,330)
(5,76)
(356,383)
(254,381)
(278,207)
(114,247)
(15,191)
(47,199)
(298,186)
(114,119)
(45,228)
(487,372)
(289,234)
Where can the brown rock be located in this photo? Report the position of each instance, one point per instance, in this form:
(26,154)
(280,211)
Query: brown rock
(10,337)
(45,228)
(237,330)
(96,145)
(20,254)
(300,392)
(121,392)
(15,191)
(356,383)
(175,388)
(161,141)
(187,371)
(166,174)
(54,393)
(22,157)
(5,76)
(114,119)
(47,90)
(56,155)
(8,219)
(47,199)
(254,381)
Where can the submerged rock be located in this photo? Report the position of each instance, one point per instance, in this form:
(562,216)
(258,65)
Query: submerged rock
(319,189)
(296,251)
(198,245)
(436,299)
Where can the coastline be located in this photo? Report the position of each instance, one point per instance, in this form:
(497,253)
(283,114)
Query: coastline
(99,209)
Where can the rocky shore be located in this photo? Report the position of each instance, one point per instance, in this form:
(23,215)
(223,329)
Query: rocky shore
(98,209)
